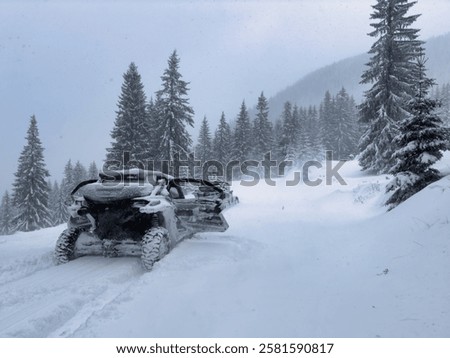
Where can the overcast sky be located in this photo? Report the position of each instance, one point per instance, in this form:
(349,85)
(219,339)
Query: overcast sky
(63,61)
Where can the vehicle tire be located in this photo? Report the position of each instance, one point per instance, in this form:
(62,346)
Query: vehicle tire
(65,245)
(155,245)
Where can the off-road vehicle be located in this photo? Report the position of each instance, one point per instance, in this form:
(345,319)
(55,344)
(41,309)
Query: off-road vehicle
(138,213)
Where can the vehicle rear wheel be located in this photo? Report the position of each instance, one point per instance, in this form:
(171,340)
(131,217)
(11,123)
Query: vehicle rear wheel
(65,245)
(155,245)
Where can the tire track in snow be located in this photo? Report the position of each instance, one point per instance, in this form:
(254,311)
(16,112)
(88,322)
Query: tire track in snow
(88,310)
(57,301)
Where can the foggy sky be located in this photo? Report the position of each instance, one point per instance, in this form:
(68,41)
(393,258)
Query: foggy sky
(64,61)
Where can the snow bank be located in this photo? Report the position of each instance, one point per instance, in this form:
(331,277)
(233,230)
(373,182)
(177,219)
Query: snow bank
(23,254)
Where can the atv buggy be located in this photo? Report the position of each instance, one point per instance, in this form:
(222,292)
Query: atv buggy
(138,213)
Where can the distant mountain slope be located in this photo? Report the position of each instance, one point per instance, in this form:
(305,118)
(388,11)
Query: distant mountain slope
(310,89)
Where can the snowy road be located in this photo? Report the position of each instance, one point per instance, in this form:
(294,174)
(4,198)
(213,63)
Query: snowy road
(296,262)
(56,301)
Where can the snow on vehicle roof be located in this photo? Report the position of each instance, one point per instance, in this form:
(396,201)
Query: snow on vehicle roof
(112,191)
(132,175)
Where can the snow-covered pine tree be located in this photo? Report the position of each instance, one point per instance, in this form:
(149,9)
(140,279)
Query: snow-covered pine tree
(346,126)
(445,94)
(242,139)
(392,72)
(442,94)
(294,153)
(58,206)
(61,213)
(327,120)
(304,140)
(30,194)
(152,128)
(174,114)
(316,149)
(129,134)
(339,127)
(262,129)
(420,144)
(203,149)
(53,199)
(92,171)
(222,142)
(6,215)
(277,134)
(288,141)
(68,183)
(79,173)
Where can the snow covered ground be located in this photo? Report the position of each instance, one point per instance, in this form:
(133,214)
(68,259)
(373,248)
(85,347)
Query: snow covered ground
(299,261)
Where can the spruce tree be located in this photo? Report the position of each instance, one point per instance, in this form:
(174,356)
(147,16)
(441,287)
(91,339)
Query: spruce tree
(92,171)
(174,114)
(152,130)
(288,141)
(30,195)
(203,149)
(222,143)
(443,96)
(392,72)
(262,129)
(277,135)
(242,135)
(79,173)
(304,138)
(313,130)
(340,131)
(346,129)
(129,134)
(327,122)
(68,183)
(61,208)
(420,144)
(53,199)
(6,215)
